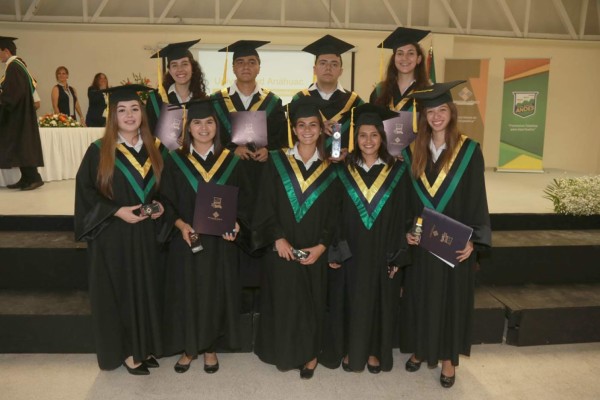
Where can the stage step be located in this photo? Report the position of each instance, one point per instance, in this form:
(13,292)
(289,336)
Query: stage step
(542,257)
(551,314)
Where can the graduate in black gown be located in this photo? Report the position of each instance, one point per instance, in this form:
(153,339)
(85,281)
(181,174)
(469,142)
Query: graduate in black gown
(118,174)
(182,82)
(405,71)
(374,208)
(202,301)
(295,210)
(447,175)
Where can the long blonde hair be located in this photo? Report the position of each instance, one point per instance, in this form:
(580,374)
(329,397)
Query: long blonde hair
(106,166)
(421,154)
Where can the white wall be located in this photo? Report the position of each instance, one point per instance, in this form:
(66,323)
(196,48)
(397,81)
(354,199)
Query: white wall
(573,121)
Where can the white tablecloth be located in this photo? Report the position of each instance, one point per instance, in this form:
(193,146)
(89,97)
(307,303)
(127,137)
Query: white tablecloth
(63,150)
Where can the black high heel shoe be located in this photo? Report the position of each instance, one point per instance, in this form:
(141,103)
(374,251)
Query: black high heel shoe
(412,366)
(447,381)
(151,362)
(139,370)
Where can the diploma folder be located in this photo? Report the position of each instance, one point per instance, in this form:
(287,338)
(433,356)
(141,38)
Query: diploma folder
(249,127)
(169,126)
(399,132)
(443,236)
(216,208)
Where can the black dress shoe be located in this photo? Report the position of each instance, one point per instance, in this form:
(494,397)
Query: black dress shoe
(346,366)
(447,381)
(307,373)
(139,370)
(32,186)
(181,368)
(374,369)
(211,369)
(151,362)
(16,185)
(412,366)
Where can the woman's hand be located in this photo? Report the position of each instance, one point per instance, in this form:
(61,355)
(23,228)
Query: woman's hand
(261,155)
(412,239)
(465,253)
(231,236)
(160,212)
(243,153)
(314,254)
(333,265)
(127,214)
(343,154)
(185,229)
(284,249)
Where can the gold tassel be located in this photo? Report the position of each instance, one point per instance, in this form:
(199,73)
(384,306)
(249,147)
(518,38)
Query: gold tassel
(107,107)
(161,90)
(351,136)
(289,126)
(414,111)
(224,80)
(381,63)
(183,123)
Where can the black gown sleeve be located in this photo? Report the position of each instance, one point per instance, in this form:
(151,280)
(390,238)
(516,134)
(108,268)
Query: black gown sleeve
(476,210)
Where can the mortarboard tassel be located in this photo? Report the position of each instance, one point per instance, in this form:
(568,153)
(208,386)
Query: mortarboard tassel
(351,136)
(183,123)
(414,112)
(289,126)
(161,89)
(224,80)
(381,63)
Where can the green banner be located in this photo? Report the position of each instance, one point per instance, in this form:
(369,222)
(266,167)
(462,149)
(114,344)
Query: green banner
(523,114)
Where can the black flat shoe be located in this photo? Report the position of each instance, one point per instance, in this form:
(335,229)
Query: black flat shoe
(412,366)
(374,369)
(307,373)
(139,370)
(151,362)
(447,381)
(211,369)
(346,367)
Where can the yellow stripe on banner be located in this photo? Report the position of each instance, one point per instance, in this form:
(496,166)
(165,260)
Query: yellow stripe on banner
(535,71)
(524,162)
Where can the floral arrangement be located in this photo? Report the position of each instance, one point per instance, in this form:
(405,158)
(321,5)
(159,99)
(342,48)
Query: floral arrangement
(138,79)
(57,121)
(575,196)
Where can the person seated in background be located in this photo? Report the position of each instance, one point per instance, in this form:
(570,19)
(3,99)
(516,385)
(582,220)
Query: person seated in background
(96,113)
(64,96)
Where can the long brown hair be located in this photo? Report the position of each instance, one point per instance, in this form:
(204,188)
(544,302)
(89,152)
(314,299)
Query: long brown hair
(320,140)
(106,166)
(390,82)
(353,158)
(197,84)
(422,155)
(187,138)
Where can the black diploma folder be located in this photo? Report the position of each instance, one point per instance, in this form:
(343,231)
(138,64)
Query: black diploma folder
(249,127)
(399,132)
(216,208)
(443,236)
(169,126)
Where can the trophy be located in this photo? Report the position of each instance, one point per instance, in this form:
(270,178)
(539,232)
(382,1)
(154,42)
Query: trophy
(417,229)
(146,210)
(196,246)
(336,142)
(300,255)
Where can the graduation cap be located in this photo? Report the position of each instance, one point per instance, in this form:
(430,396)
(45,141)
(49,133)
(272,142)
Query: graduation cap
(304,107)
(436,94)
(175,51)
(7,42)
(200,108)
(125,92)
(328,45)
(370,114)
(243,48)
(403,36)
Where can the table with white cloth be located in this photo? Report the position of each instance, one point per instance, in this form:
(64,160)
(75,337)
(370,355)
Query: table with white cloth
(63,150)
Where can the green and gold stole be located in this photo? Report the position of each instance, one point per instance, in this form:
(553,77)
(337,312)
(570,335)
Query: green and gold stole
(302,193)
(267,102)
(140,177)
(219,173)
(438,194)
(369,201)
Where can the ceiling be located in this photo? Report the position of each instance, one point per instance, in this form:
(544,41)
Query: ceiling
(556,19)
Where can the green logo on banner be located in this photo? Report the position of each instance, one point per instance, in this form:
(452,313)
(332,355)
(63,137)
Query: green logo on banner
(524,103)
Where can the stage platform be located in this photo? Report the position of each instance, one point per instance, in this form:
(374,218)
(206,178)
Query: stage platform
(538,285)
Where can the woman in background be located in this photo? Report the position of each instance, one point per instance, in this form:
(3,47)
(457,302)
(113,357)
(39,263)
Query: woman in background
(96,113)
(64,96)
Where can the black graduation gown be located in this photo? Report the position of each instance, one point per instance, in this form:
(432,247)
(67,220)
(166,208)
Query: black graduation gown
(437,304)
(154,104)
(293,296)
(96,107)
(251,170)
(123,259)
(202,301)
(20,144)
(400,101)
(363,302)
(338,104)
